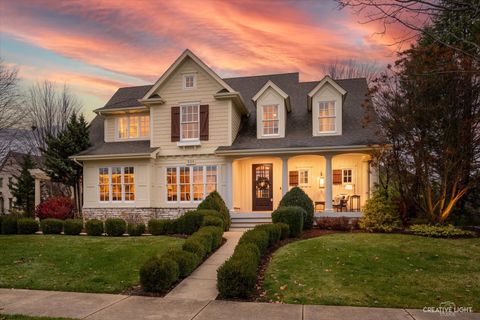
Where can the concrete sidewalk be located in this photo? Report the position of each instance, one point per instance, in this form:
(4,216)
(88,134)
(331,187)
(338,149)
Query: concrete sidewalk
(119,307)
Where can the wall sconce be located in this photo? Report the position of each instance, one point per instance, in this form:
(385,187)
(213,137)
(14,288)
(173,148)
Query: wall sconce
(321,181)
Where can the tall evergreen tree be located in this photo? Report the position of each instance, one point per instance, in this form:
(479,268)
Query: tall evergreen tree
(23,189)
(74,139)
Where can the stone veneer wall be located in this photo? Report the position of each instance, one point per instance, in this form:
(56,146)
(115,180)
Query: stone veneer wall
(133,214)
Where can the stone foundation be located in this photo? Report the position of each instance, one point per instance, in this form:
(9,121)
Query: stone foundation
(134,214)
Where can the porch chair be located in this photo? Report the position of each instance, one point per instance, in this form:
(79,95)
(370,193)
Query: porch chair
(340,202)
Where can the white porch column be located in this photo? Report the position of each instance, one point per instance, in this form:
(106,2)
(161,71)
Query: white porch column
(229,184)
(37,192)
(328,183)
(284,175)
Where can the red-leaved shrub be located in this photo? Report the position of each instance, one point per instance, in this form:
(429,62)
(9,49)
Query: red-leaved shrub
(55,208)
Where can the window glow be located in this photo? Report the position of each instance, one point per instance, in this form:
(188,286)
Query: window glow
(326,116)
(189,121)
(133,127)
(270,119)
(189,184)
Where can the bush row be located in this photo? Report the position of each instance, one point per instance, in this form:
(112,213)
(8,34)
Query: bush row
(187,224)
(158,274)
(236,278)
(439,231)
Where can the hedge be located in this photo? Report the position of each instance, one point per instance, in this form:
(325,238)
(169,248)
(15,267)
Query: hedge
(212,221)
(296,197)
(188,223)
(9,224)
(52,226)
(94,227)
(159,274)
(293,216)
(27,226)
(193,246)
(215,202)
(187,261)
(274,232)
(258,237)
(73,227)
(115,227)
(157,227)
(285,230)
(135,229)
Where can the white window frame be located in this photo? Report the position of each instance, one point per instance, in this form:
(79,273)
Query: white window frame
(334,117)
(277,120)
(122,183)
(128,117)
(300,183)
(186,105)
(184,81)
(344,176)
(205,183)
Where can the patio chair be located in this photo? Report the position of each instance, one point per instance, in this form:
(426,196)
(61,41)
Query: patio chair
(340,202)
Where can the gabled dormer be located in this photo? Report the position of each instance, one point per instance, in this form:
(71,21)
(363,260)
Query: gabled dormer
(325,102)
(272,105)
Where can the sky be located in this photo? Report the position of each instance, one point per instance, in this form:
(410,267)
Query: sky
(98,46)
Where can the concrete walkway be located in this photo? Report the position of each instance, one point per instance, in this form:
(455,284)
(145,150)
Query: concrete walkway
(119,307)
(202,283)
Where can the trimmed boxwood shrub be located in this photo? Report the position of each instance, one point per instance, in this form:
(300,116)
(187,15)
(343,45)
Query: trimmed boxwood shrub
(213,233)
(293,216)
(298,198)
(9,224)
(157,227)
(159,274)
(274,233)
(52,226)
(196,247)
(285,230)
(258,237)
(186,260)
(94,227)
(212,221)
(135,229)
(27,226)
(380,214)
(115,227)
(73,227)
(439,231)
(188,223)
(215,202)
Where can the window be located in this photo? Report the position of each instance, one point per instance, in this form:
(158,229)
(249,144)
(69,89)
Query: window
(189,81)
(347,175)
(189,122)
(189,184)
(116,184)
(270,120)
(134,127)
(326,116)
(303,177)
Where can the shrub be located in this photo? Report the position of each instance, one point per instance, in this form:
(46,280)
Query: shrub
(9,224)
(188,223)
(274,232)
(257,237)
(55,208)
(296,197)
(94,227)
(380,214)
(52,226)
(158,274)
(285,230)
(215,235)
(73,227)
(136,229)
(212,221)
(157,227)
(27,226)
(115,227)
(439,231)
(244,250)
(171,226)
(337,223)
(293,216)
(215,202)
(186,260)
(193,246)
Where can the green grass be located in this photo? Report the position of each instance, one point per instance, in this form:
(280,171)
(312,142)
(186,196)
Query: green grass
(76,263)
(380,270)
(20,317)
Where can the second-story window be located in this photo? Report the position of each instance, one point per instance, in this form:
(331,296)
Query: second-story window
(189,122)
(189,81)
(326,116)
(134,127)
(270,120)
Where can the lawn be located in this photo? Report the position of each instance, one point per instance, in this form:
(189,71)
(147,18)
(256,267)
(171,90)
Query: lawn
(379,270)
(76,263)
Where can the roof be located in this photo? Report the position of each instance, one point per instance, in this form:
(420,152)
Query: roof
(18,158)
(126,98)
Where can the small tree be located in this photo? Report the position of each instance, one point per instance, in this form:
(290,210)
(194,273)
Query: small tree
(23,189)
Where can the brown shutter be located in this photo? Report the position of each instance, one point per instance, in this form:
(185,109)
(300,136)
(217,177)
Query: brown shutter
(175,124)
(204,122)
(293,178)
(337,177)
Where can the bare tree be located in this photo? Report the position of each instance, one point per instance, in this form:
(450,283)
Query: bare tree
(348,69)
(49,110)
(11,109)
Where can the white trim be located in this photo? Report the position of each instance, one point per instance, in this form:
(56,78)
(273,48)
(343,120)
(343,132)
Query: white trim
(122,183)
(190,169)
(353,148)
(334,117)
(128,116)
(327,79)
(184,80)
(271,84)
(271,120)
(187,140)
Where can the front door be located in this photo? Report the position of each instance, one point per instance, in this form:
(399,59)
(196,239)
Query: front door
(262,187)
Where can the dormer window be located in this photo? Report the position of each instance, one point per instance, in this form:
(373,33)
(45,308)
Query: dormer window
(270,120)
(133,127)
(189,81)
(326,116)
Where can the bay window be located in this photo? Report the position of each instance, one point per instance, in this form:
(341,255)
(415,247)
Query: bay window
(190,183)
(116,184)
(326,116)
(133,127)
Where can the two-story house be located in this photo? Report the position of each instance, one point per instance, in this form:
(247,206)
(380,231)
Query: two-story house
(159,149)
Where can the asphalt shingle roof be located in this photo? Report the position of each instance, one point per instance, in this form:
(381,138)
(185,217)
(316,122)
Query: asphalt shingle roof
(126,97)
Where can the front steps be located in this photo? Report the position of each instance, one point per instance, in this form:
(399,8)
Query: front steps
(240,221)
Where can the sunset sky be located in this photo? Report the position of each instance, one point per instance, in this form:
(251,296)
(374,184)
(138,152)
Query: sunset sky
(97,46)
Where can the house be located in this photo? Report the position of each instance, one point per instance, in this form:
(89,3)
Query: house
(159,149)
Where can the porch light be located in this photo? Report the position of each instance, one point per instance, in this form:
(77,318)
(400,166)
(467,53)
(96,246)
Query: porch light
(321,181)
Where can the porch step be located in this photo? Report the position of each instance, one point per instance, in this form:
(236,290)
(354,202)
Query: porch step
(249,222)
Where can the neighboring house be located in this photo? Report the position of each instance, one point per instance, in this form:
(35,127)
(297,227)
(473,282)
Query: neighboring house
(159,149)
(11,167)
